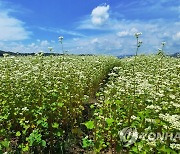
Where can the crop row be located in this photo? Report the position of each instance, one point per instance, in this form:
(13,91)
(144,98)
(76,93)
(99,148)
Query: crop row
(143,97)
(42,99)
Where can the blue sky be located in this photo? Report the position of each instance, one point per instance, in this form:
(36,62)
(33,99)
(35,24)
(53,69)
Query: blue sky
(89,26)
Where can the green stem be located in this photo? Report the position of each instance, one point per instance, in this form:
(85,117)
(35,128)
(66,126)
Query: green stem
(137,46)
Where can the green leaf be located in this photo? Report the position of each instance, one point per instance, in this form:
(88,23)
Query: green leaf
(60,104)
(25,148)
(18,133)
(45,124)
(5,143)
(34,138)
(92,106)
(43,143)
(55,125)
(89,124)
(59,134)
(134,149)
(109,121)
(166,149)
(86,142)
(39,121)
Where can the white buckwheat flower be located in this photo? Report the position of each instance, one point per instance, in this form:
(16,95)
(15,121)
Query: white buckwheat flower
(163,43)
(137,34)
(50,48)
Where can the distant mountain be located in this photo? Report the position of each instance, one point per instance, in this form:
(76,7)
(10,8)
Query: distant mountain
(172,55)
(24,54)
(57,54)
(124,56)
(32,54)
(176,55)
(6,52)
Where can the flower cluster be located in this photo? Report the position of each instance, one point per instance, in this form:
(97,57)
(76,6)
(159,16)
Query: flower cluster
(137,34)
(42,99)
(143,92)
(60,39)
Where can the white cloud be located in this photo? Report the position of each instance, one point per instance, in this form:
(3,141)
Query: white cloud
(176,36)
(98,19)
(95,40)
(44,43)
(40,45)
(105,44)
(11,29)
(123,33)
(32,45)
(100,15)
(61,31)
(76,39)
(130,32)
(154,32)
(117,36)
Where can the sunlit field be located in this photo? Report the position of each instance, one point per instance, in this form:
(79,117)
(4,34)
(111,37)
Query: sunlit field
(43,99)
(143,93)
(80,104)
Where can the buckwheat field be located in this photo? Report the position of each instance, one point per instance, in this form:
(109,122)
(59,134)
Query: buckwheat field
(79,104)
